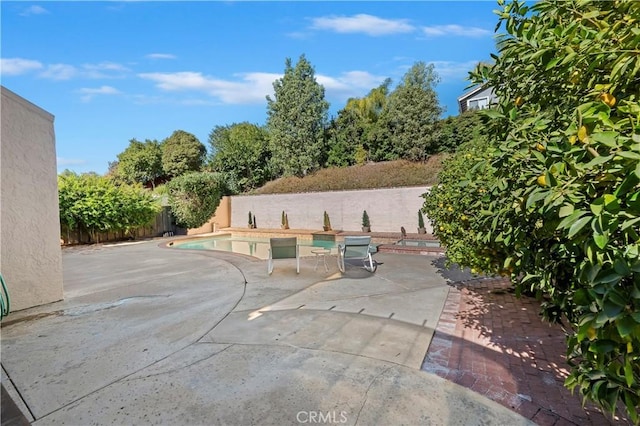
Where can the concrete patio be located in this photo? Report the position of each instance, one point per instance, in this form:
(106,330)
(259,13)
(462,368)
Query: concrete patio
(149,334)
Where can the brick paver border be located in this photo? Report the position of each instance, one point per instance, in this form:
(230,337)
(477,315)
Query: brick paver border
(497,345)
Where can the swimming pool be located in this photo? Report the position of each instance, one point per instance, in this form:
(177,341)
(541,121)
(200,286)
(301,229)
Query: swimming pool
(256,247)
(418,243)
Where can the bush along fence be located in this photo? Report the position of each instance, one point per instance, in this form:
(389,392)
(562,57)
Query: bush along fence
(161,225)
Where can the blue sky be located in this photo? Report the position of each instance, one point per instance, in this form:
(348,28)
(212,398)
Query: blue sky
(113,71)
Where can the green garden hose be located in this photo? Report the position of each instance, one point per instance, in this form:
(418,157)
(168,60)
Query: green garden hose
(5,302)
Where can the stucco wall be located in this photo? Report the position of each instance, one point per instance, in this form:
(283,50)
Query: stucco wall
(388,209)
(30,256)
(220,219)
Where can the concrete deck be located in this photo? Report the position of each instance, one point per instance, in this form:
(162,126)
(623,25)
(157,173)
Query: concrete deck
(157,335)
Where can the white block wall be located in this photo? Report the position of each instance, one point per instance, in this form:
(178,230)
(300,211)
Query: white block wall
(388,209)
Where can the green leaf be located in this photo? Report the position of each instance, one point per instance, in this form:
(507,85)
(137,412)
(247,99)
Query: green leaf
(621,267)
(536,196)
(578,225)
(492,113)
(602,346)
(625,325)
(608,276)
(597,206)
(598,161)
(630,155)
(569,220)
(606,138)
(601,240)
(632,406)
(612,310)
(628,372)
(566,210)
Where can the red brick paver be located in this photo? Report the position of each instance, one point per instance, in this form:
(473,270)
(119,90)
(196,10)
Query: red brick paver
(497,345)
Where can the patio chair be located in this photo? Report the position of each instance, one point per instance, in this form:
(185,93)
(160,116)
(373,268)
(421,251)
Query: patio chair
(283,248)
(359,249)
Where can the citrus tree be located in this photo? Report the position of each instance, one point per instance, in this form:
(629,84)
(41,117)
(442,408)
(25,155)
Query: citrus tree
(561,211)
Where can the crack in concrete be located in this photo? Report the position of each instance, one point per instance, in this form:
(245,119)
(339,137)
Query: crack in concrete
(366,394)
(173,370)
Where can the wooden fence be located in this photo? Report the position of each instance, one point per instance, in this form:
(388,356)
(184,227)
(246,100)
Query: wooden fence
(161,225)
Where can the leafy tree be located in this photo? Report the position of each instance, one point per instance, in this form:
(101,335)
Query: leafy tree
(297,118)
(561,207)
(140,162)
(344,135)
(194,197)
(410,117)
(241,151)
(182,152)
(96,204)
(457,130)
(355,128)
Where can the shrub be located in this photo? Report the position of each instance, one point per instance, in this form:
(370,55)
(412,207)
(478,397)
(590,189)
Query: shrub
(365,219)
(327,222)
(561,211)
(391,174)
(96,204)
(194,197)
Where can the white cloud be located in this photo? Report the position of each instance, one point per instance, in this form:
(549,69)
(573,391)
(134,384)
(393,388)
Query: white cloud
(34,10)
(349,84)
(59,72)
(94,71)
(251,88)
(455,30)
(362,23)
(89,93)
(17,66)
(104,70)
(453,70)
(161,56)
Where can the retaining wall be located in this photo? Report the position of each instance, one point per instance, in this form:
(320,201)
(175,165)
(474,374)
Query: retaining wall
(388,209)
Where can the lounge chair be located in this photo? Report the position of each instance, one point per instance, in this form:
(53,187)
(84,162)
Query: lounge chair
(359,249)
(283,248)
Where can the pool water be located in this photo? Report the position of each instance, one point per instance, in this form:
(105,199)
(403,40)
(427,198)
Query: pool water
(257,247)
(418,243)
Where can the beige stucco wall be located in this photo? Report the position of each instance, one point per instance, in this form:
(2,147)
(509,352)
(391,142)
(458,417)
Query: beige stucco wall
(30,256)
(388,209)
(220,219)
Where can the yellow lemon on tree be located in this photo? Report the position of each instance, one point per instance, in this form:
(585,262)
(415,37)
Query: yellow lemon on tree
(608,99)
(542,180)
(519,101)
(450,208)
(540,147)
(572,139)
(582,134)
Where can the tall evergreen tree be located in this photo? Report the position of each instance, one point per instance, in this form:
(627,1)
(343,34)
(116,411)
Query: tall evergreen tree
(411,116)
(297,117)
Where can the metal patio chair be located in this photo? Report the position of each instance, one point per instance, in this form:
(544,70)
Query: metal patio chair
(358,249)
(283,248)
